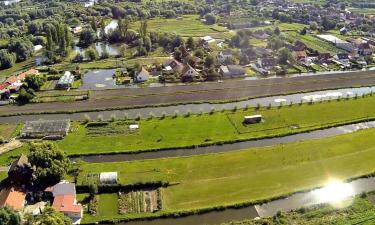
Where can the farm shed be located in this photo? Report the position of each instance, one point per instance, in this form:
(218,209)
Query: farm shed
(66,81)
(108,178)
(252,119)
(45,128)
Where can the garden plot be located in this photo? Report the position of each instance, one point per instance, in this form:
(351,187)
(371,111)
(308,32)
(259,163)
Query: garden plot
(96,129)
(139,201)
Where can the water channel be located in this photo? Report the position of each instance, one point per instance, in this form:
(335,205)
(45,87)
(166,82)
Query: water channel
(199,107)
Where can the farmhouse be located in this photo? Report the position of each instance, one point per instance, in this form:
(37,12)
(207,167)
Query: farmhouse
(231,71)
(45,128)
(224,55)
(12,197)
(66,81)
(142,75)
(64,201)
(188,73)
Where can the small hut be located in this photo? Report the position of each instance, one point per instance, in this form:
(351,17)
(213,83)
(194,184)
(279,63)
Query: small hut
(108,178)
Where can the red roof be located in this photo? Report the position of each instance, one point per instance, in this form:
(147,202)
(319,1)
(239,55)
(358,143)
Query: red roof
(11,79)
(23,75)
(3,86)
(12,197)
(66,203)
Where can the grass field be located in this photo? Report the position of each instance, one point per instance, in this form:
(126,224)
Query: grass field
(249,175)
(18,67)
(8,131)
(188,26)
(220,126)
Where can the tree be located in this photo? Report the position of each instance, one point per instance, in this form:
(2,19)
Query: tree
(22,47)
(34,82)
(48,217)
(275,43)
(277,31)
(49,163)
(8,216)
(86,38)
(190,43)
(210,18)
(25,95)
(209,61)
(199,53)
(285,55)
(313,26)
(91,54)
(6,59)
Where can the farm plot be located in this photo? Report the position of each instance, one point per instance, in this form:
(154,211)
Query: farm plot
(311,42)
(139,201)
(60,96)
(96,129)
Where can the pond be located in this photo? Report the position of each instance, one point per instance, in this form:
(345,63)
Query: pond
(99,79)
(112,49)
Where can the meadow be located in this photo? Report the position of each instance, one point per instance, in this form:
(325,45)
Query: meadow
(219,127)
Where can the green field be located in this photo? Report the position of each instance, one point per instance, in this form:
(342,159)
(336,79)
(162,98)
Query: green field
(8,131)
(187,26)
(220,126)
(108,205)
(249,175)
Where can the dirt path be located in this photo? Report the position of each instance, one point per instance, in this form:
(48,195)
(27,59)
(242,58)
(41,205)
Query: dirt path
(12,144)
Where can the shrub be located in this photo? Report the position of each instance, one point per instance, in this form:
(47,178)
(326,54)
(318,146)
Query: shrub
(235,108)
(151,115)
(188,113)
(176,112)
(163,114)
(87,118)
(100,118)
(138,117)
(246,107)
(212,111)
(113,117)
(94,205)
(126,116)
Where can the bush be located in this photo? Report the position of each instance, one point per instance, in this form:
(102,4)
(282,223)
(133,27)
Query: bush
(94,205)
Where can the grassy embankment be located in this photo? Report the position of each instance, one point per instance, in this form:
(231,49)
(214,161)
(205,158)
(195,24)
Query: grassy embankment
(247,176)
(207,129)
(361,212)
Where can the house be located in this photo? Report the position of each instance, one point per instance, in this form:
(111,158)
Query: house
(4,91)
(343,31)
(224,56)
(66,81)
(64,201)
(266,63)
(207,39)
(299,46)
(342,59)
(77,30)
(324,58)
(301,56)
(12,197)
(172,66)
(231,71)
(20,171)
(188,73)
(364,49)
(142,75)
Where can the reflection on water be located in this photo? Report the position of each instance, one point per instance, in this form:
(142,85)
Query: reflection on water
(111,49)
(9,2)
(335,192)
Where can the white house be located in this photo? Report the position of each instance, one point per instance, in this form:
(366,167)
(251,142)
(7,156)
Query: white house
(142,75)
(224,55)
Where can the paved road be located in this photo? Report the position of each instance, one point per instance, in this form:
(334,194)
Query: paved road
(205,92)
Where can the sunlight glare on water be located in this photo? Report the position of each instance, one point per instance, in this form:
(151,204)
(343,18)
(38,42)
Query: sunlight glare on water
(335,192)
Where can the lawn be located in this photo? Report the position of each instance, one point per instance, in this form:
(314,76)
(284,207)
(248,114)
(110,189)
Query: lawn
(249,175)
(108,205)
(221,126)
(187,26)
(9,130)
